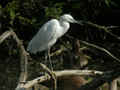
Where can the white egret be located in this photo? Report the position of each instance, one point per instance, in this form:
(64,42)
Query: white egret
(49,33)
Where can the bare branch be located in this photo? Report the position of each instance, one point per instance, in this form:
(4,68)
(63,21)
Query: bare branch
(112,27)
(100,48)
(62,73)
(23,56)
(57,52)
(51,73)
(5,35)
(23,60)
(77,72)
(102,28)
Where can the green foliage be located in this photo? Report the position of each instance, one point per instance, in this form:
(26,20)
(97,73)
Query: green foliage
(11,10)
(25,20)
(54,11)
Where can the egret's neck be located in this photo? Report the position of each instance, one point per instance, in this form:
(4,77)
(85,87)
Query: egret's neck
(63,28)
(65,25)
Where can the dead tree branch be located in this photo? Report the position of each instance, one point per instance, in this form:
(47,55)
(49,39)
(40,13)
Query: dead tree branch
(4,36)
(51,73)
(23,60)
(61,73)
(23,56)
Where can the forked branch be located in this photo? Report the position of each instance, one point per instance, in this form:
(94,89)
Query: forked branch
(23,55)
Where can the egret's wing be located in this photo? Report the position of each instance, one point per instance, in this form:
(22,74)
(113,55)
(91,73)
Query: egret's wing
(44,38)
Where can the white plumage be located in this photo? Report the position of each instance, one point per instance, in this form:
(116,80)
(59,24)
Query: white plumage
(49,33)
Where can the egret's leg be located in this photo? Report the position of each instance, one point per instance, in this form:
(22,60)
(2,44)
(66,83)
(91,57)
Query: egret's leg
(50,59)
(47,57)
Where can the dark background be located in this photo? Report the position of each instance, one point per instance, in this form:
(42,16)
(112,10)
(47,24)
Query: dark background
(25,17)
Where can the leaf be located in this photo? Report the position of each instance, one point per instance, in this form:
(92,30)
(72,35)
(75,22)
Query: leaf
(12,14)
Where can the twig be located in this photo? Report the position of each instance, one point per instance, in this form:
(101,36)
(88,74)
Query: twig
(77,72)
(101,27)
(112,27)
(58,51)
(100,48)
(51,73)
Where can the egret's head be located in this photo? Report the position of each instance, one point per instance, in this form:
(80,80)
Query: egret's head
(68,18)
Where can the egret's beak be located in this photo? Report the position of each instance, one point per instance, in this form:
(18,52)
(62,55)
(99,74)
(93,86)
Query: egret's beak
(75,21)
(79,22)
